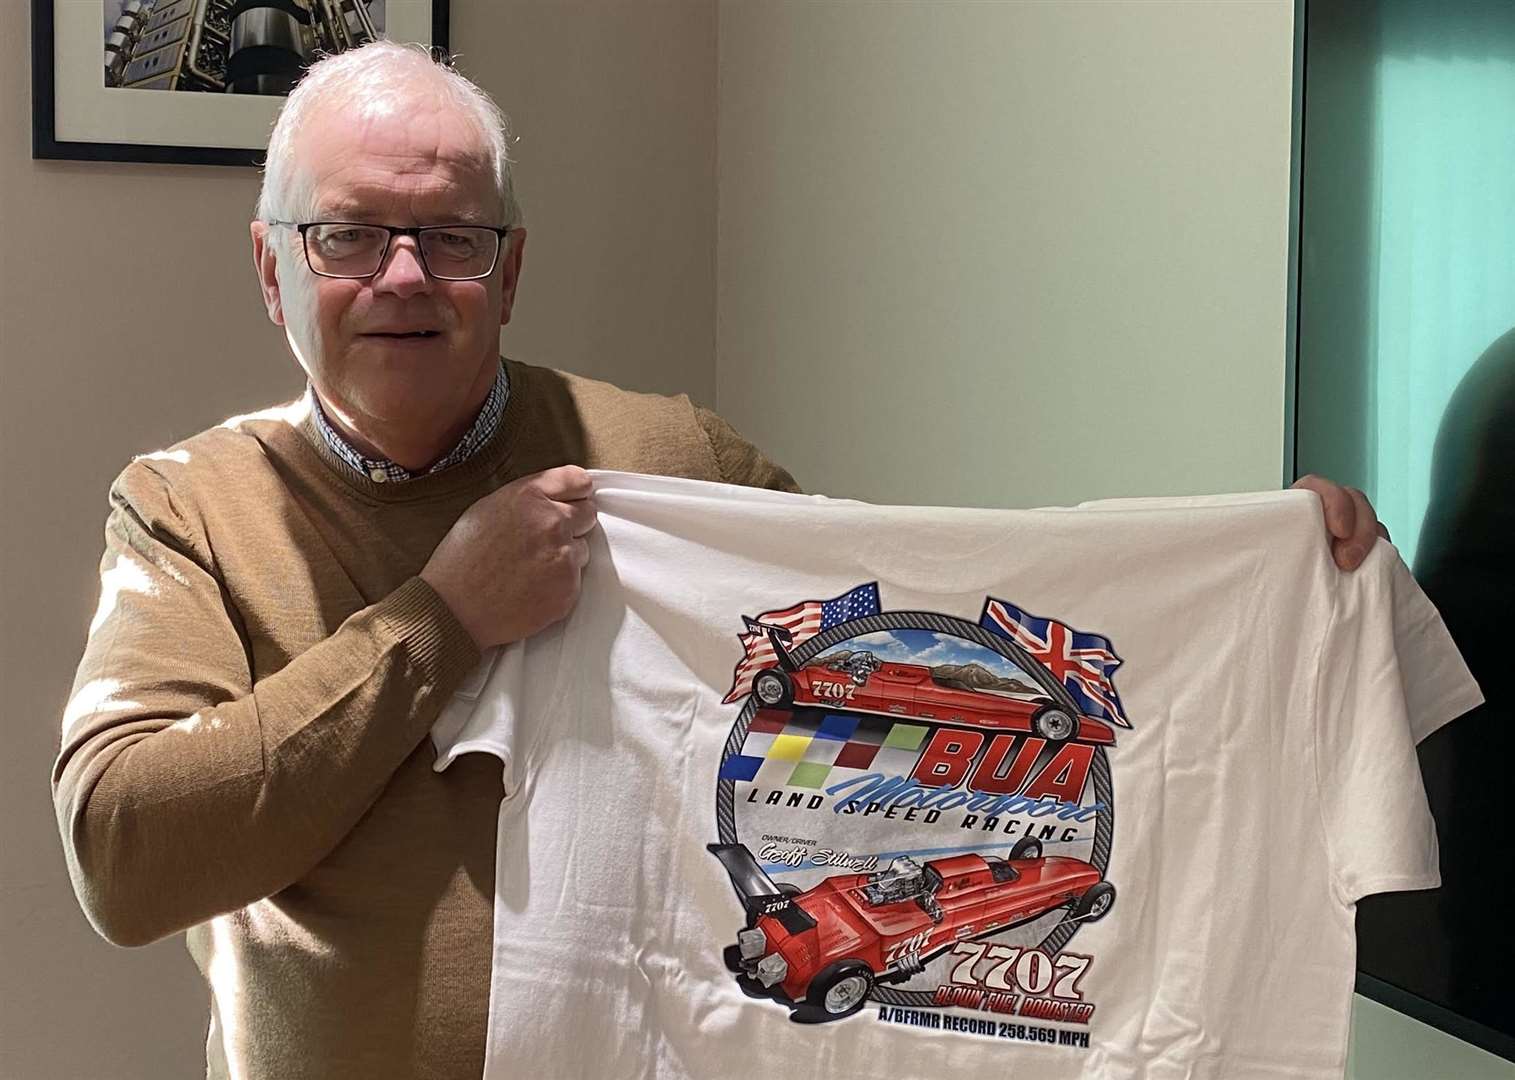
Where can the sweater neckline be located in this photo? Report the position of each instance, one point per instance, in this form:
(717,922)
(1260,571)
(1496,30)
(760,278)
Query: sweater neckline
(487,459)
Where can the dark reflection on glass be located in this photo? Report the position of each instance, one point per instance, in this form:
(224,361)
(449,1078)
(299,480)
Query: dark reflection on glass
(1457,944)
(1407,225)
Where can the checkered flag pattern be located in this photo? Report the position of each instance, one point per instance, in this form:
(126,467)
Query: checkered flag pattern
(808,748)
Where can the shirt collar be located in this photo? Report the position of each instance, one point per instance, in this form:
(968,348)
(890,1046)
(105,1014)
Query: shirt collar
(381,470)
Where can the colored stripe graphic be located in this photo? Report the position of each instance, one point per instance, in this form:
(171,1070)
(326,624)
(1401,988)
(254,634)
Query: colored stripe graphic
(806,753)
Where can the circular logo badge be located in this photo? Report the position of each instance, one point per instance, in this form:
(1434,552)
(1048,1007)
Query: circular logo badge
(900,793)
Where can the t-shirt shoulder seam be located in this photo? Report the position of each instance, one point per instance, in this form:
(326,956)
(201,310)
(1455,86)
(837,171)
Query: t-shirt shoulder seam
(1332,861)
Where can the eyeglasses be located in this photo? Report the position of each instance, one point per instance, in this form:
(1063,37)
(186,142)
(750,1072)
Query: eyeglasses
(351,249)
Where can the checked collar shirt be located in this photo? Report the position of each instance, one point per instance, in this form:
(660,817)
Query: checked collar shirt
(381,471)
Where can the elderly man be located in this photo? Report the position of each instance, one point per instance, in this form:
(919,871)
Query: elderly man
(289,599)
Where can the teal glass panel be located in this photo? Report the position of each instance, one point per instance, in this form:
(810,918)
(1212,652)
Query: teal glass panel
(1407,271)
(1406,388)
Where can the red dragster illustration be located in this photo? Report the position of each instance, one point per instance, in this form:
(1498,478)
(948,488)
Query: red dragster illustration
(821,951)
(864,683)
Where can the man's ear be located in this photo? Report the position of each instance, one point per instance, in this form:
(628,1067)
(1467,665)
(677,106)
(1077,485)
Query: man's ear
(511,257)
(265,262)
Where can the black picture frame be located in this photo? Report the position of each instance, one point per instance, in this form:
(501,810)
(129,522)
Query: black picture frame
(47,146)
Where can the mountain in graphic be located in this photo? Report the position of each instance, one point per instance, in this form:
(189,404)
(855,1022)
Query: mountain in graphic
(974,676)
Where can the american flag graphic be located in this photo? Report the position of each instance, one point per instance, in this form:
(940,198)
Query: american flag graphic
(803,620)
(1084,663)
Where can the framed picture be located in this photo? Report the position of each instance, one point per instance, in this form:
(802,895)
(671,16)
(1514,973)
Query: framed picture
(191,81)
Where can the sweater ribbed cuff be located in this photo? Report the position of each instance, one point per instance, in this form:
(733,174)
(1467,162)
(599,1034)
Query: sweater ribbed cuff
(435,641)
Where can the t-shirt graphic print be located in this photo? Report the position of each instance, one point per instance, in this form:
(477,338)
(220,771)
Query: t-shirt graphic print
(807,786)
(965,768)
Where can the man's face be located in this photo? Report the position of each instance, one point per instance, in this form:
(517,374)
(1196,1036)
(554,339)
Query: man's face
(400,351)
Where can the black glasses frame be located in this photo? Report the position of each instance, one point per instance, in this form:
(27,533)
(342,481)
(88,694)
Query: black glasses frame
(302,227)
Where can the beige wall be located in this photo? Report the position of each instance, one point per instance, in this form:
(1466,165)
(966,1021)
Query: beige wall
(1007,254)
(129,318)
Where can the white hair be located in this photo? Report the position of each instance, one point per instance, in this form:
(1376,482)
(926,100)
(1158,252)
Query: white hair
(378,77)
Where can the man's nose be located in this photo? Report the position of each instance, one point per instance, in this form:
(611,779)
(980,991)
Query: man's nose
(402,271)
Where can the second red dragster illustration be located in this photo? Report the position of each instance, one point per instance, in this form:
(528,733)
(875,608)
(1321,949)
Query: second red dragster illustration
(822,951)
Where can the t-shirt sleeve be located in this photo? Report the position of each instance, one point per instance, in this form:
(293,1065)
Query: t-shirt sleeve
(482,714)
(1438,685)
(738,461)
(503,706)
(1389,675)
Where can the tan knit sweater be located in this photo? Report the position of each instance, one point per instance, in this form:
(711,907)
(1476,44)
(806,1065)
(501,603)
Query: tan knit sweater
(245,752)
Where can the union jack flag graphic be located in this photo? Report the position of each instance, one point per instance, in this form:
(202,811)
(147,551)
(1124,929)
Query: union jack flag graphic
(795,624)
(1084,663)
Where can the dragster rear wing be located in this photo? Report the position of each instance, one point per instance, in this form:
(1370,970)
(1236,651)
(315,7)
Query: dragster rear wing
(778,638)
(756,890)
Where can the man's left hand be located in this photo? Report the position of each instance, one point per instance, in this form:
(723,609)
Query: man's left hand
(1350,521)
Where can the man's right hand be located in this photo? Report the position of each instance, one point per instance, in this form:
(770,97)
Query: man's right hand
(511,565)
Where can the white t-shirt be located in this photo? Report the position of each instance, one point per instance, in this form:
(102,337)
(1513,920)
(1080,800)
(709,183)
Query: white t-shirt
(808,787)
